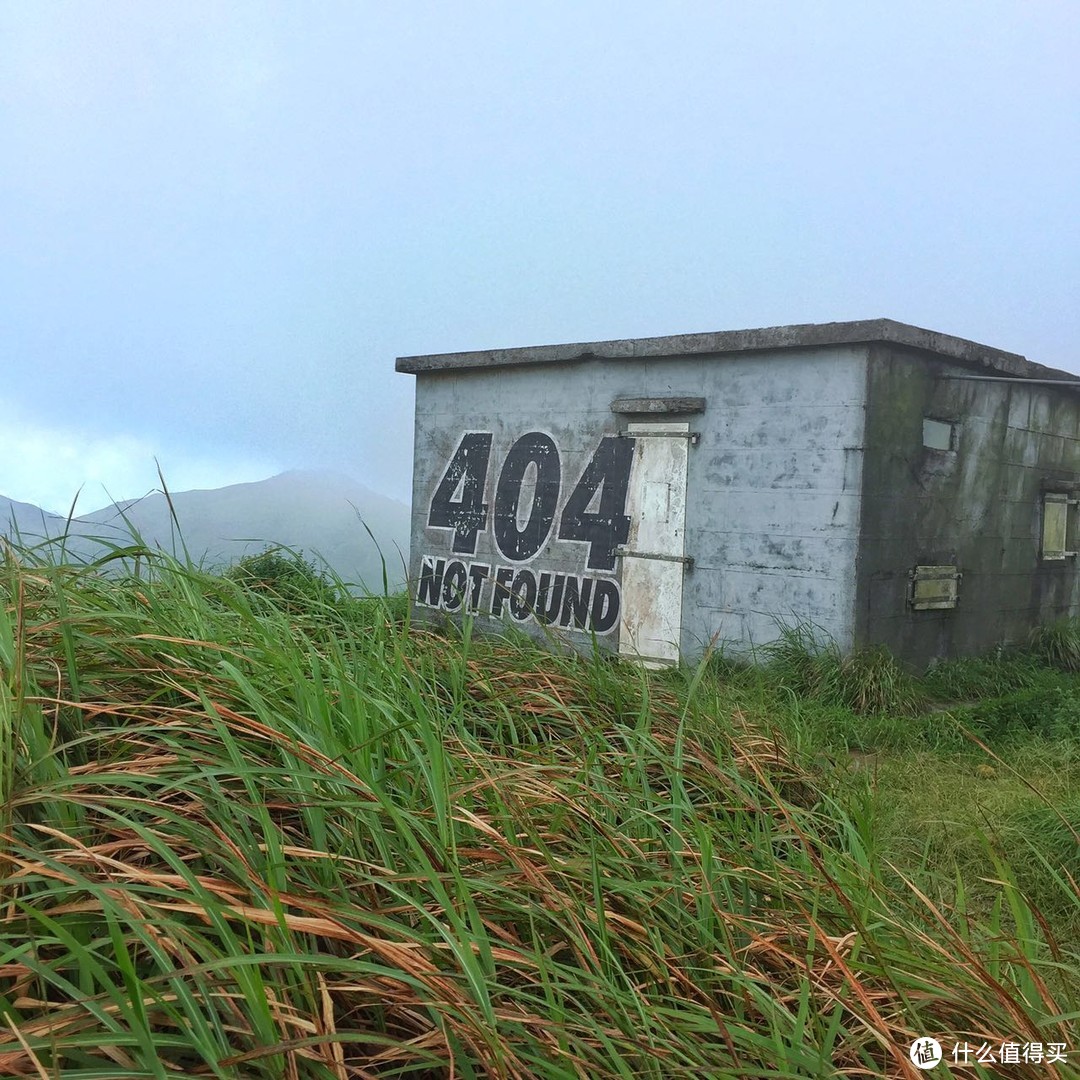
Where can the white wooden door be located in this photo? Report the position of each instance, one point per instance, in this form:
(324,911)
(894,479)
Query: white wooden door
(653,558)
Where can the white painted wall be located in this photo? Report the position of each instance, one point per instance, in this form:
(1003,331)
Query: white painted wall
(773,516)
(773,492)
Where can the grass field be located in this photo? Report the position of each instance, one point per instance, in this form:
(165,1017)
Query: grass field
(259,834)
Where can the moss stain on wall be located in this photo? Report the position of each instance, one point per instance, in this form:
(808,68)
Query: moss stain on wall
(977,506)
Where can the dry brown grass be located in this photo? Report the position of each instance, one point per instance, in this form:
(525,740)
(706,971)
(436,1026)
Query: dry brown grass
(305,850)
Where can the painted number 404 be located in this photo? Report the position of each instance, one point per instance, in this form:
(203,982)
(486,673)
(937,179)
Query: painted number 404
(594,511)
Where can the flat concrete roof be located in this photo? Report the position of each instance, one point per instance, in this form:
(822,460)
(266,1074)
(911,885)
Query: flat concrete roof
(799,336)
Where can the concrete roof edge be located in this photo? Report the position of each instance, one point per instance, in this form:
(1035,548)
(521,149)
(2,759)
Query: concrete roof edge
(799,335)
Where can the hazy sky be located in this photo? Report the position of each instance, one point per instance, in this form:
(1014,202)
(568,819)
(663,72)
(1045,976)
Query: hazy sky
(220,222)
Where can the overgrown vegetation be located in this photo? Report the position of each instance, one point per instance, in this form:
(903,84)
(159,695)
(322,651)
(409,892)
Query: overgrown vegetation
(864,681)
(1058,644)
(303,839)
(284,577)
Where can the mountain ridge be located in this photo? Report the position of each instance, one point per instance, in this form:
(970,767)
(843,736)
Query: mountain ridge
(318,512)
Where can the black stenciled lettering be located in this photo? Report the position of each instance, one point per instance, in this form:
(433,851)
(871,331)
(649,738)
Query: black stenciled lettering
(539,451)
(605,528)
(605,606)
(478,573)
(431,579)
(458,502)
(575,607)
(549,597)
(453,590)
(523,595)
(503,576)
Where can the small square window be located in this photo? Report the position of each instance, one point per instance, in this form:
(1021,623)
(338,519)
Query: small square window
(1058,525)
(934,588)
(938,434)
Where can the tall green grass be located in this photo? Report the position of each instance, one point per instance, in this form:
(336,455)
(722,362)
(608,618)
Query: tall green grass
(1058,644)
(249,839)
(867,680)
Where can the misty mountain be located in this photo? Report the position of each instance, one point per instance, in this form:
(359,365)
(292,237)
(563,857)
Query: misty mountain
(26,520)
(317,512)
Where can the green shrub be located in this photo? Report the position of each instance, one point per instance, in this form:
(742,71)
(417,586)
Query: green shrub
(865,680)
(284,577)
(1058,644)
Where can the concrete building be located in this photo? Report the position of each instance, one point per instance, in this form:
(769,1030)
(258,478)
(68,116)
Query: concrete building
(888,484)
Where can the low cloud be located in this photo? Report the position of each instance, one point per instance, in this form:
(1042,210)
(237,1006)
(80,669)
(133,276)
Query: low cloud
(47,466)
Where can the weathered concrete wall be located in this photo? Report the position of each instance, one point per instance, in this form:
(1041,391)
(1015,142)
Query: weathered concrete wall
(773,489)
(977,506)
(774,496)
(567,405)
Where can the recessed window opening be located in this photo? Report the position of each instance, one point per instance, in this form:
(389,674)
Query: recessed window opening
(938,434)
(935,588)
(1058,526)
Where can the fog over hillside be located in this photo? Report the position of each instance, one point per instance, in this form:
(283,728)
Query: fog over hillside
(26,522)
(323,514)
